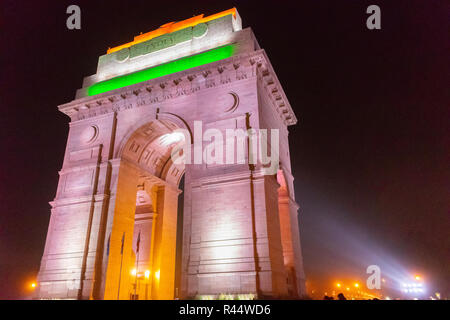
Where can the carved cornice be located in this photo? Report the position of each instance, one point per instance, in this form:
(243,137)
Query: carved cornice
(237,68)
(276,92)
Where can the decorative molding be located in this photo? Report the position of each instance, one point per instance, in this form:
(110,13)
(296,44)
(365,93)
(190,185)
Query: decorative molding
(237,68)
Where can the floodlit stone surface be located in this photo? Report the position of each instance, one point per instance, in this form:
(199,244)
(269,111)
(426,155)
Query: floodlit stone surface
(239,227)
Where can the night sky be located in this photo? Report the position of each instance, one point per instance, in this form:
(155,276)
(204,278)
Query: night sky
(370,153)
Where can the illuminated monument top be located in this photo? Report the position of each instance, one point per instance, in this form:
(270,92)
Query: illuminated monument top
(172,52)
(174,47)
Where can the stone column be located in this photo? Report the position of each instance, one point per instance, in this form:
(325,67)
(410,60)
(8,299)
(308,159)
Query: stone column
(298,260)
(165,242)
(68,265)
(295,233)
(286,234)
(143,226)
(120,262)
(272,274)
(186,239)
(235,236)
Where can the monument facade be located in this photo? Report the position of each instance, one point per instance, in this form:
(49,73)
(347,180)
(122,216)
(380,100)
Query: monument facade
(118,227)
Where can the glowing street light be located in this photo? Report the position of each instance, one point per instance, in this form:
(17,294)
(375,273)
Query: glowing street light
(338,285)
(356,285)
(33,285)
(133,272)
(414,288)
(147,274)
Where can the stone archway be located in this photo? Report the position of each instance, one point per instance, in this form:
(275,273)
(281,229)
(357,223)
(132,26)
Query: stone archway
(117,177)
(145,212)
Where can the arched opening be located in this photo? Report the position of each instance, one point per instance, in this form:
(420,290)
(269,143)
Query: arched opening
(146,230)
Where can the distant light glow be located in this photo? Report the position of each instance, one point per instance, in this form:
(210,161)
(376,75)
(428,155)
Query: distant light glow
(413,287)
(164,69)
(133,272)
(157,275)
(147,274)
(33,285)
(338,285)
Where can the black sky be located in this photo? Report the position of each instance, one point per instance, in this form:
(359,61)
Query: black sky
(370,154)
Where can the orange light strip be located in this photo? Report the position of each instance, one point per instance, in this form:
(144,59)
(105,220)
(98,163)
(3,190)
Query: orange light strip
(172,27)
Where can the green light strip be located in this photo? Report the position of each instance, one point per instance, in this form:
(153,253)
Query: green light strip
(163,70)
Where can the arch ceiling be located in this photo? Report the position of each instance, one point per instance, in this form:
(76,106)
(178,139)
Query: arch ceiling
(150,147)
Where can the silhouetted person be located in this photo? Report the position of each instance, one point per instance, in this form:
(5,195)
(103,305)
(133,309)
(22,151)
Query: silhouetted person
(341,296)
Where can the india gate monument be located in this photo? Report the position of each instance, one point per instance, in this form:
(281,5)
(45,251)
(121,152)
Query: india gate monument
(164,191)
